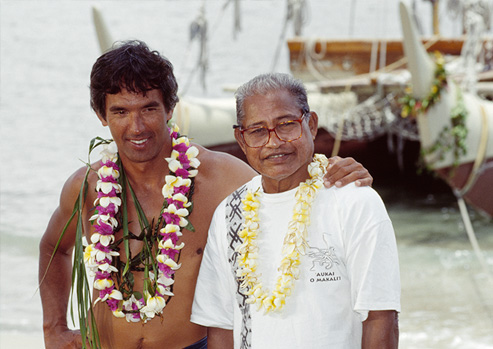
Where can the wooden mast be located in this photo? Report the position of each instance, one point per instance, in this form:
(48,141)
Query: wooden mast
(436,24)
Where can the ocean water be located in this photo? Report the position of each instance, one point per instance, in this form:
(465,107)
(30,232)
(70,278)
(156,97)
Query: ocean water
(47,48)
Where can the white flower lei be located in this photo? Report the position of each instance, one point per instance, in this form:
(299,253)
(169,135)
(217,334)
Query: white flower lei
(98,256)
(293,247)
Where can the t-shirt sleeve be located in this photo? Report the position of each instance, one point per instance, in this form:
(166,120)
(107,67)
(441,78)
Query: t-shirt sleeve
(372,258)
(214,298)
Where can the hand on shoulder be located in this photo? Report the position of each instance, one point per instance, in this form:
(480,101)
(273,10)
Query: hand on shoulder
(342,171)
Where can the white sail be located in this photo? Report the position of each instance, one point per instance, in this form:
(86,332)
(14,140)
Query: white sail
(431,123)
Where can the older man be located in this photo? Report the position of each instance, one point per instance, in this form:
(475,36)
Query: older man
(135,210)
(288,263)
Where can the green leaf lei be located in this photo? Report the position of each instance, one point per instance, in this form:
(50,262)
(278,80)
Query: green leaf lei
(124,278)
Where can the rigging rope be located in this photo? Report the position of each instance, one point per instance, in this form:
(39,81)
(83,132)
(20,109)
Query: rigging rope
(369,119)
(343,117)
(236,16)
(199,31)
(472,236)
(295,12)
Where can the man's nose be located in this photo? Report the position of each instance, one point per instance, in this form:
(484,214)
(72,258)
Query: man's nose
(274,139)
(136,122)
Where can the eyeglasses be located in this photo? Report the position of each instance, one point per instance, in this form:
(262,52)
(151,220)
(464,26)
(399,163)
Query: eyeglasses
(286,131)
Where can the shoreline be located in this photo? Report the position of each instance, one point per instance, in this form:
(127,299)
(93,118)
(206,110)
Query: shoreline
(16,339)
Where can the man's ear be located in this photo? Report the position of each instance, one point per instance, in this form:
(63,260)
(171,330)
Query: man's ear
(240,140)
(169,115)
(313,124)
(102,119)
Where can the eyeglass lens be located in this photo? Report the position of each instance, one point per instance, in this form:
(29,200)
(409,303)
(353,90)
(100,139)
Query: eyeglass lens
(286,131)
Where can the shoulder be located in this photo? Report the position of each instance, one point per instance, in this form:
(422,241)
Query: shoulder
(79,175)
(351,193)
(222,160)
(224,169)
(239,193)
(75,182)
(355,201)
(62,218)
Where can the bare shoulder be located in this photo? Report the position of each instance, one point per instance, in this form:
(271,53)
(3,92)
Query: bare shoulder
(73,185)
(65,211)
(82,181)
(223,169)
(214,161)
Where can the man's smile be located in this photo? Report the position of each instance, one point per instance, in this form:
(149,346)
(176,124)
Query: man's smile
(138,141)
(277,156)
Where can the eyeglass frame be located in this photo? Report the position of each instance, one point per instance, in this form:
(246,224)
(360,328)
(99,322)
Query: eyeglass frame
(300,120)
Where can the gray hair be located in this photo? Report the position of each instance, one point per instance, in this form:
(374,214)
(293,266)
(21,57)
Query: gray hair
(265,83)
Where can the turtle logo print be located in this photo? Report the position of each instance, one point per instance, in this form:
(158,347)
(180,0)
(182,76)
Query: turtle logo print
(324,257)
(322,260)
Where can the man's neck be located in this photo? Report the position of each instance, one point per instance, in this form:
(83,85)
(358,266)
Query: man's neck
(271,186)
(150,174)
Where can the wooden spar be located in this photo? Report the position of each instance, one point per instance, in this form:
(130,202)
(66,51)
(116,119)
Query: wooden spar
(436,23)
(343,58)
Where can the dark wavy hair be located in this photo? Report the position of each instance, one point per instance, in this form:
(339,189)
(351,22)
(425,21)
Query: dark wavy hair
(131,65)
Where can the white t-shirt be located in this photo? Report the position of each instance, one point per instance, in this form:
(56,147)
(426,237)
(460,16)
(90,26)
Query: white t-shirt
(350,268)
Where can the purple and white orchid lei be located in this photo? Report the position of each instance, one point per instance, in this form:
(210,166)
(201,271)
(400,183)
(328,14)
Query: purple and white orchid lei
(98,256)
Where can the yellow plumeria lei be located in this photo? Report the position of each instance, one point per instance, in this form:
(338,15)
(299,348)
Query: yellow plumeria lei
(98,256)
(293,247)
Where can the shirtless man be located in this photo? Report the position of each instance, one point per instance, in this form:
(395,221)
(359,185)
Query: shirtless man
(133,92)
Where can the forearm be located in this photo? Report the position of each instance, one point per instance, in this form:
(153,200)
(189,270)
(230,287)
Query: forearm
(218,338)
(54,286)
(381,330)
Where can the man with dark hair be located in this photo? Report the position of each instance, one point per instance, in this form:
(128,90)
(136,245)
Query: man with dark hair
(137,69)
(288,263)
(134,208)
